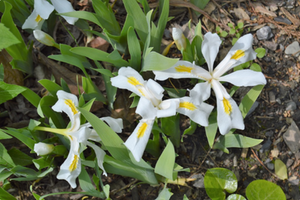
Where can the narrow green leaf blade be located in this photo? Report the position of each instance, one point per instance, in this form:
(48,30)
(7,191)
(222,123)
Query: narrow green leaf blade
(9,91)
(7,38)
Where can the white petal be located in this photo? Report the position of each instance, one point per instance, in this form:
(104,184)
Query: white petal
(138,140)
(131,80)
(33,22)
(115,124)
(99,155)
(155,91)
(183,69)
(42,149)
(210,48)
(146,109)
(197,113)
(71,168)
(201,91)
(219,90)
(65,95)
(246,77)
(167,108)
(228,121)
(82,134)
(43,8)
(244,44)
(179,38)
(64,6)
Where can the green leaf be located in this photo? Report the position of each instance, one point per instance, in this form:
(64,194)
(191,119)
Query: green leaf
(165,163)
(171,127)
(191,129)
(211,129)
(5,195)
(5,160)
(32,97)
(84,15)
(264,190)
(19,157)
(86,184)
(165,194)
(96,54)
(219,180)
(51,86)
(280,169)
(224,34)
(7,38)
(249,99)
(156,61)
(235,140)
(232,31)
(9,91)
(240,25)
(91,91)
(134,49)
(42,163)
(261,52)
(255,67)
(23,135)
(236,197)
(200,4)
(4,136)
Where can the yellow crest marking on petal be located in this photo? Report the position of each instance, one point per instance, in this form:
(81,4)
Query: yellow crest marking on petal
(142,130)
(187,105)
(74,163)
(71,104)
(183,68)
(227,106)
(38,18)
(133,81)
(238,54)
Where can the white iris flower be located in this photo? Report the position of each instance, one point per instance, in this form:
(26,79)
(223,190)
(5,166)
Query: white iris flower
(77,134)
(229,115)
(42,10)
(150,107)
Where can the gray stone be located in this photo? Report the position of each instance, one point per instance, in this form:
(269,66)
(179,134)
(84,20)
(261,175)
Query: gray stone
(292,137)
(270,166)
(283,20)
(290,4)
(266,146)
(292,48)
(272,97)
(270,45)
(264,33)
(291,105)
(289,162)
(294,180)
(199,183)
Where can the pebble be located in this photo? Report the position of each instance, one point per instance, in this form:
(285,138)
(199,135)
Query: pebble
(266,146)
(289,162)
(264,33)
(290,4)
(270,45)
(272,97)
(292,137)
(270,166)
(292,48)
(294,180)
(291,105)
(283,20)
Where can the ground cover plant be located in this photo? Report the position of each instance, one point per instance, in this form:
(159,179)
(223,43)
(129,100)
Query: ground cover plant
(125,110)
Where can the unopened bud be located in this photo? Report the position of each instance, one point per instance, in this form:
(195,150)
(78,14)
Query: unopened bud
(44,38)
(42,149)
(179,38)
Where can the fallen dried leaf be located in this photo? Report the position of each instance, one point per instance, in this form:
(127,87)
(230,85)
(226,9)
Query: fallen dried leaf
(241,14)
(260,8)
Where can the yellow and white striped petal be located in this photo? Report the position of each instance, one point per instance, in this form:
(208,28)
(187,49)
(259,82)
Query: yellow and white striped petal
(71,167)
(199,113)
(228,115)
(137,141)
(245,77)
(240,53)
(99,155)
(210,48)
(64,6)
(183,69)
(179,38)
(34,21)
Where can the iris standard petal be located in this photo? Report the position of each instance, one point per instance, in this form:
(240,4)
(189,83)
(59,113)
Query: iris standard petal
(64,6)
(155,91)
(71,167)
(201,91)
(138,140)
(246,77)
(210,48)
(240,53)
(115,124)
(197,113)
(99,155)
(146,109)
(228,115)
(167,108)
(43,8)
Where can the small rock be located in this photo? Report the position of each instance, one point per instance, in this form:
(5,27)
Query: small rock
(269,133)
(297,156)
(272,97)
(199,183)
(270,166)
(289,162)
(270,45)
(266,146)
(264,33)
(281,47)
(292,137)
(283,20)
(291,105)
(168,34)
(293,180)
(275,153)
(292,48)
(290,4)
